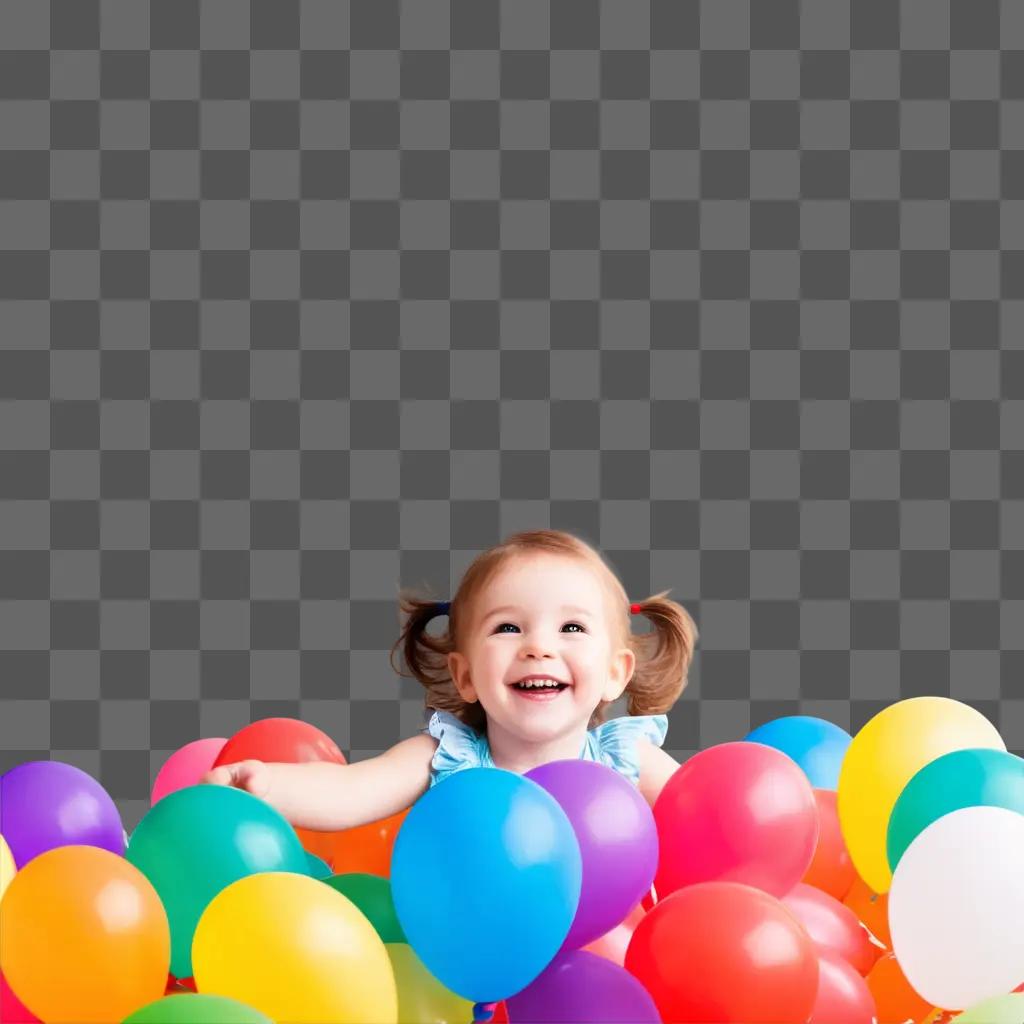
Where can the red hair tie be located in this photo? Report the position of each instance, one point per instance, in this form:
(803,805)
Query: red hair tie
(634,608)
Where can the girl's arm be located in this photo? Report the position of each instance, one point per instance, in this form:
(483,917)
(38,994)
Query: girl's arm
(328,797)
(656,768)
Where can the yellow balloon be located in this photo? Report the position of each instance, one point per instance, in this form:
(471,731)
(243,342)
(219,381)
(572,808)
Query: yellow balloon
(883,757)
(295,949)
(422,999)
(7,867)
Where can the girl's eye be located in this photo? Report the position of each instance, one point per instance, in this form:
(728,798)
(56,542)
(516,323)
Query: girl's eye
(500,627)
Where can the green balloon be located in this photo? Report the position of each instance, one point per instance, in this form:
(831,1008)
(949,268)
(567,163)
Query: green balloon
(372,895)
(197,1009)
(1008,1009)
(196,842)
(318,867)
(963,778)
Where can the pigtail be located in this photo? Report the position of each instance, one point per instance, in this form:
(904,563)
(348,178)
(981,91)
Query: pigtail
(663,656)
(426,658)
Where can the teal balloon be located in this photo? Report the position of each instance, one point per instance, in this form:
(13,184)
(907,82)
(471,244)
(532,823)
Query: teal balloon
(818,746)
(197,1009)
(317,866)
(485,877)
(963,778)
(196,842)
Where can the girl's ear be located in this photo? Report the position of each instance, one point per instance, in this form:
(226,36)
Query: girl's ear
(458,669)
(620,672)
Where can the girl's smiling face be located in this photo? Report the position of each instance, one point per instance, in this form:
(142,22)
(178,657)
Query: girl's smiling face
(547,616)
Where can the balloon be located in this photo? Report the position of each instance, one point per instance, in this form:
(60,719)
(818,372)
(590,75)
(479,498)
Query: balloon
(12,1009)
(197,1009)
(884,756)
(290,741)
(956,904)
(581,988)
(739,812)
(196,841)
(294,949)
(831,869)
(871,908)
(832,926)
(317,867)
(366,849)
(723,951)
(1005,1009)
(45,804)
(187,766)
(486,845)
(816,745)
(421,997)
(843,995)
(964,778)
(7,868)
(617,837)
(280,739)
(84,936)
(372,896)
(614,943)
(895,998)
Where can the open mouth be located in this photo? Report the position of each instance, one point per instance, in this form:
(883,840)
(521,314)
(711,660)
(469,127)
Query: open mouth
(539,689)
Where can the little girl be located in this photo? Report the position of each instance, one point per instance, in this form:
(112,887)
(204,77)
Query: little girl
(538,644)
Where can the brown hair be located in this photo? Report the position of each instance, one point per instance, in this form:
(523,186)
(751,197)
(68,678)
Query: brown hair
(663,656)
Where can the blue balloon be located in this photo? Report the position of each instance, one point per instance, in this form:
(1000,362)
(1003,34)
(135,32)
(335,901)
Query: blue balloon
(816,745)
(486,875)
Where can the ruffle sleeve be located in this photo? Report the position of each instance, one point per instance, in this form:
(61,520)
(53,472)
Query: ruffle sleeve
(615,741)
(459,746)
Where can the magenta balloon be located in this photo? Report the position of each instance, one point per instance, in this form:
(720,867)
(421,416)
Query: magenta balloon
(45,804)
(617,837)
(578,987)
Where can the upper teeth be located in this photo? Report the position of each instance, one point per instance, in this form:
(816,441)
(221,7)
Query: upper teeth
(539,682)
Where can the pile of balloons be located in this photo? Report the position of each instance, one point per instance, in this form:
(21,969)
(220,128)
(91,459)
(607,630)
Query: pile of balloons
(796,875)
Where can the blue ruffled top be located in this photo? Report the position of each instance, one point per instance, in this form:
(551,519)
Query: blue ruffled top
(612,743)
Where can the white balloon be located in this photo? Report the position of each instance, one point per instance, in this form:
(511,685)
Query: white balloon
(956,904)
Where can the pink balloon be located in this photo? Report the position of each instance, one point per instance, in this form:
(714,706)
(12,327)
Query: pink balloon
(736,812)
(185,767)
(832,925)
(843,995)
(613,944)
(12,1010)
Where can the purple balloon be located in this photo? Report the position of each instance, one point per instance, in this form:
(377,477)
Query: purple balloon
(45,804)
(578,987)
(618,842)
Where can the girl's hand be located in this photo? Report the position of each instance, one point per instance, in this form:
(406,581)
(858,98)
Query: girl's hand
(251,776)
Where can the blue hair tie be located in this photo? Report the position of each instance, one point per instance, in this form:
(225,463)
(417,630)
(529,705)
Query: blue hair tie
(442,607)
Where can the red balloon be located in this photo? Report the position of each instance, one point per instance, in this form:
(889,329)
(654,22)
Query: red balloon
(12,1010)
(724,952)
(833,926)
(280,739)
(831,869)
(738,812)
(843,995)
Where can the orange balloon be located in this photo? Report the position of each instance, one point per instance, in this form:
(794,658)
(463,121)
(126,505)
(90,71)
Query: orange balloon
(85,938)
(872,909)
(613,944)
(831,869)
(366,848)
(320,844)
(895,999)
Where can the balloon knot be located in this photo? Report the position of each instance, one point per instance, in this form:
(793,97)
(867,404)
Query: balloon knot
(483,1011)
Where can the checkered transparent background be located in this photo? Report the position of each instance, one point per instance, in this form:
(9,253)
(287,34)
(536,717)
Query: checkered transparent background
(300,301)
